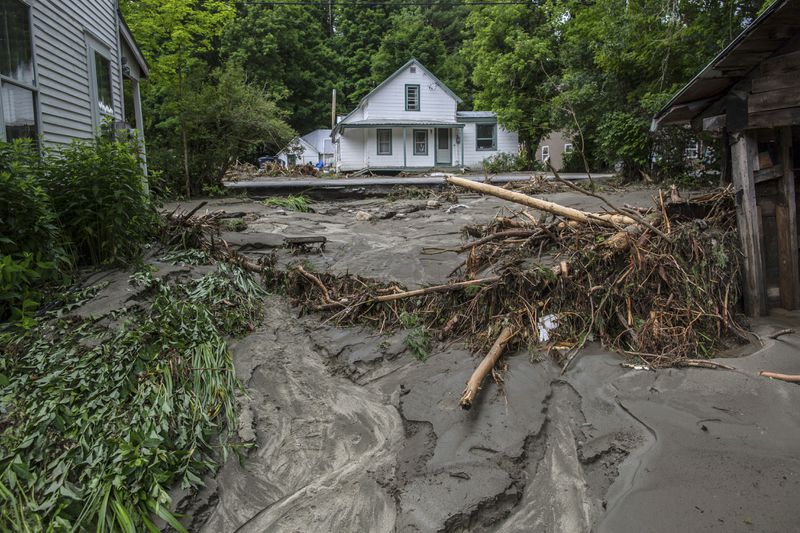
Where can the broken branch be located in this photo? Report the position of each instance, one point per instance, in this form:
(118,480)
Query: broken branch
(783,377)
(474,383)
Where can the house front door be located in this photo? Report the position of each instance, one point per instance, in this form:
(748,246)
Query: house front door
(444,154)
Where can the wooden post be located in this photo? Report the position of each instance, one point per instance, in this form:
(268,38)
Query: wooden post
(743,154)
(787,227)
(405,150)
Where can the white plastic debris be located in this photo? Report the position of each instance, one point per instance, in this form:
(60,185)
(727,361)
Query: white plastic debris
(546,324)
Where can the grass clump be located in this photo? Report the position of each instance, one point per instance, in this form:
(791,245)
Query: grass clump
(300,202)
(418,340)
(98,422)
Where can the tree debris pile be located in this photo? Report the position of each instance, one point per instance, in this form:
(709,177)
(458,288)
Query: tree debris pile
(660,284)
(245,171)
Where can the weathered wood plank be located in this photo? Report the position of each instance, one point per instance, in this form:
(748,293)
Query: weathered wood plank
(781,64)
(743,154)
(762,84)
(774,119)
(767,174)
(787,227)
(771,100)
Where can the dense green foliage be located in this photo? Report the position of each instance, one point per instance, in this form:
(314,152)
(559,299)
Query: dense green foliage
(82,205)
(30,253)
(99,422)
(597,70)
(99,199)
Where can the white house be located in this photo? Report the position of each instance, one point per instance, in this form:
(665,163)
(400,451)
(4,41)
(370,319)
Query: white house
(410,122)
(310,148)
(65,68)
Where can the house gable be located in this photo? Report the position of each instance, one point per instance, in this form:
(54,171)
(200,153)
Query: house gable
(436,102)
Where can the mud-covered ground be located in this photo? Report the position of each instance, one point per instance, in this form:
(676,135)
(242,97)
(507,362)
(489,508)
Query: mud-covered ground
(352,433)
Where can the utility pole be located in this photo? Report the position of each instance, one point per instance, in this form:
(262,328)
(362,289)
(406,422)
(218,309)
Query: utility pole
(333,110)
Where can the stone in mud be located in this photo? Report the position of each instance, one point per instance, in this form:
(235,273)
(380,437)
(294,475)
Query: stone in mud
(363,216)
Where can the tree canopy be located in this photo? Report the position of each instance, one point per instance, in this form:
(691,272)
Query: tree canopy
(595,69)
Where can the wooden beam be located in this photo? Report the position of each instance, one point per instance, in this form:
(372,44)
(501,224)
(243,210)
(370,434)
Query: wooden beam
(714,124)
(743,154)
(775,118)
(787,227)
(767,174)
(775,99)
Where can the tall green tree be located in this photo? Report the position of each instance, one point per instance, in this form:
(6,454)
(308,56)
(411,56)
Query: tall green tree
(409,36)
(359,31)
(514,52)
(288,50)
(179,39)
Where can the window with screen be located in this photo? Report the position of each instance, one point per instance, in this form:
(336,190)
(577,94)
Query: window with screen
(102,71)
(545,153)
(17,82)
(412,97)
(384,142)
(486,137)
(420,142)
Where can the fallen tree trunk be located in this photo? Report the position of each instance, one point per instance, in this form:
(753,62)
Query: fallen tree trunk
(577,215)
(486,366)
(783,377)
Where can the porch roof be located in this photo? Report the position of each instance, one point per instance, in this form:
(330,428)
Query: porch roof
(398,123)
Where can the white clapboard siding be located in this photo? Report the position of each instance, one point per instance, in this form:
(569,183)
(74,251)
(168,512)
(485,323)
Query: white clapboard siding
(507,141)
(61,31)
(389,101)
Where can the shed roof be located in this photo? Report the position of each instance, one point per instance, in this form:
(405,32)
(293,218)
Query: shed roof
(773,29)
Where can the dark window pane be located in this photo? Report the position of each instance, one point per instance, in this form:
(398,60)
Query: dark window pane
(130,110)
(420,142)
(384,142)
(103,70)
(16,53)
(486,136)
(19,112)
(412,97)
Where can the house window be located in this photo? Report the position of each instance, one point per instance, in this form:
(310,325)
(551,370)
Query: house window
(693,150)
(568,148)
(412,97)
(385,142)
(486,137)
(102,74)
(545,153)
(18,91)
(420,142)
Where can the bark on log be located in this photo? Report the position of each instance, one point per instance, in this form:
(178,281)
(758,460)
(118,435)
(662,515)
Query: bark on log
(486,366)
(542,205)
(783,377)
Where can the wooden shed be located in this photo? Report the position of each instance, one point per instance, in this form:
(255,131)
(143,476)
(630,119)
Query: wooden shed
(750,96)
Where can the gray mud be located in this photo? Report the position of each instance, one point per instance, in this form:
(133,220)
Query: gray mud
(351,433)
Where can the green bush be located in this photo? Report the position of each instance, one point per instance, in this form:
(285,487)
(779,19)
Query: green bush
(100,200)
(30,253)
(82,205)
(504,162)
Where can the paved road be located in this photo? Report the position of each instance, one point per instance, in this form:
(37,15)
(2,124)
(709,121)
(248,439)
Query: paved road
(274,184)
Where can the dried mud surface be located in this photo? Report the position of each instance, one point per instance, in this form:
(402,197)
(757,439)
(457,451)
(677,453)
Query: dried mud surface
(352,433)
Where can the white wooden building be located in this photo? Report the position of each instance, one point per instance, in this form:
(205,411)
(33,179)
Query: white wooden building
(65,68)
(411,122)
(310,148)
